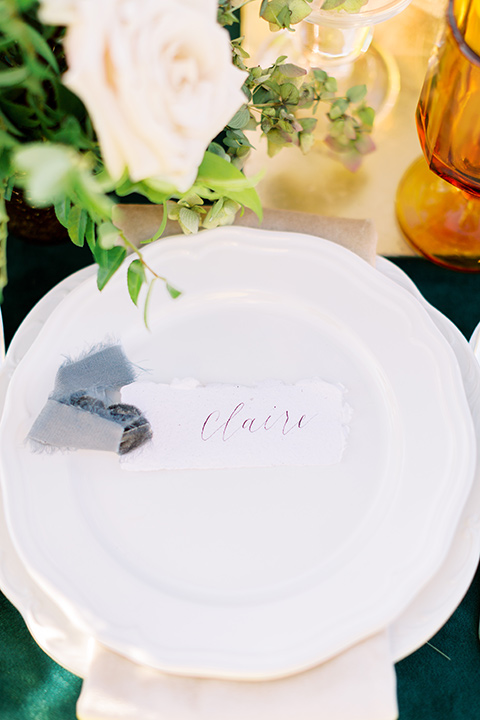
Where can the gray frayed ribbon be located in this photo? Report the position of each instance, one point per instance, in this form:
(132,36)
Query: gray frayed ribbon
(79,414)
(65,426)
(105,369)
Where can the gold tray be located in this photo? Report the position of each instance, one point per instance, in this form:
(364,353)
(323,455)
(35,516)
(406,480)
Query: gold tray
(316,183)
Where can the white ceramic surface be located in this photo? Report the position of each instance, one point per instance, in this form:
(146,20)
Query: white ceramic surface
(437,601)
(475,341)
(67,644)
(2,339)
(421,634)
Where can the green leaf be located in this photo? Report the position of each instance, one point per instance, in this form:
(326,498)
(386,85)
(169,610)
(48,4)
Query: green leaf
(190,198)
(6,140)
(25,5)
(276,12)
(217,149)
(286,126)
(76,225)
(156,192)
(215,210)
(41,46)
(13,76)
(353,6)
(320,75)
(338,108)
(277,137)
(62,211)
(240,119)
(331,85)
(172,291)
(350,128)
(306,140)
(272,85)
(289,94)
(189,220)
(108,235)
(352,160)
(262,96)
(337,127)
(18,117)
(366,115)
(350,6)
(90,234)
(334,144)
(292,71)
(135,279)
(332,4)
(300,9)
(221,213)
(224,178)
(228,142)
(272,148)
(71,133)
(218,174)
(239,139)
(46,171)
(108,263)
(365,145)
(69,103)
(6,172)
(356,93)
(308,124)
(6,43)
(266,124)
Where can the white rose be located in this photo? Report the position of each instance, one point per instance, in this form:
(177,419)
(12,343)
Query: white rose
(63,12)
(58,12)
(157,79)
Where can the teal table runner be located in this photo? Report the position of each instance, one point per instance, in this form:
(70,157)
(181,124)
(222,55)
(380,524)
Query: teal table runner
(441,681)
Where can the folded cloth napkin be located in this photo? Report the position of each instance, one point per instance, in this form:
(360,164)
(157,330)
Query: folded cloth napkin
(141,222)
(358,684)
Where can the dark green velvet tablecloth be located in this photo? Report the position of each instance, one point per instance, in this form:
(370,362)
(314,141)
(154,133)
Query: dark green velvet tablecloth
(430,685)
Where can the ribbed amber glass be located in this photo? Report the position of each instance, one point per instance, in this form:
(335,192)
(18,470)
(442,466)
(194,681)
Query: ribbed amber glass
(448,112)
(441,221)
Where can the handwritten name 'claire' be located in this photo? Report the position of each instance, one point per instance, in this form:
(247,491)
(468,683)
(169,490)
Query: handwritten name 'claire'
(215,425)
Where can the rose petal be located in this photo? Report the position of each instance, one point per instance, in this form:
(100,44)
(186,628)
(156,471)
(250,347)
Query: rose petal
(157,80)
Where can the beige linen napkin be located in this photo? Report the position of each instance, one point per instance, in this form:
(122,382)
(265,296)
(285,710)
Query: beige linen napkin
(358,684)
(141,222)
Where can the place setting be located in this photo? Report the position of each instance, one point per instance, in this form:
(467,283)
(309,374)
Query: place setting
(238,451)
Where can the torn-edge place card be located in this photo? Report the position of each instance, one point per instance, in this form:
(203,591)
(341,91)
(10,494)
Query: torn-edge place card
(228,426)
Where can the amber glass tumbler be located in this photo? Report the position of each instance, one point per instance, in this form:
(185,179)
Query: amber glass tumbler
(438,199)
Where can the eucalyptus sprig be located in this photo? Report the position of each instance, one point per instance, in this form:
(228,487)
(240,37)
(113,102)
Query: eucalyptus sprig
(283,101)
(282,14)
(350,6)
(228,11)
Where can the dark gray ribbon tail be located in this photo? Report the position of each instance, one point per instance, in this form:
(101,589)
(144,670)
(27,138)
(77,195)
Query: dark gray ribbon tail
(77,415)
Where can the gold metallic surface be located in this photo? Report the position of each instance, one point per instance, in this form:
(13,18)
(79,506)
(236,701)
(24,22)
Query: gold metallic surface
(315,182)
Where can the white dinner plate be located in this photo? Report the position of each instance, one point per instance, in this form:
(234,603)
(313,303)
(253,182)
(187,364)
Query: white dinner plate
(70,646)
(311,309)
(2,339)
(438,600)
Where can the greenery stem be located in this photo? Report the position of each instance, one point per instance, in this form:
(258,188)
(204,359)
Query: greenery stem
(134,249)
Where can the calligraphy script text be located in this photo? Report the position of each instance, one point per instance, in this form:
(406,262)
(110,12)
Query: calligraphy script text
(226,428)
